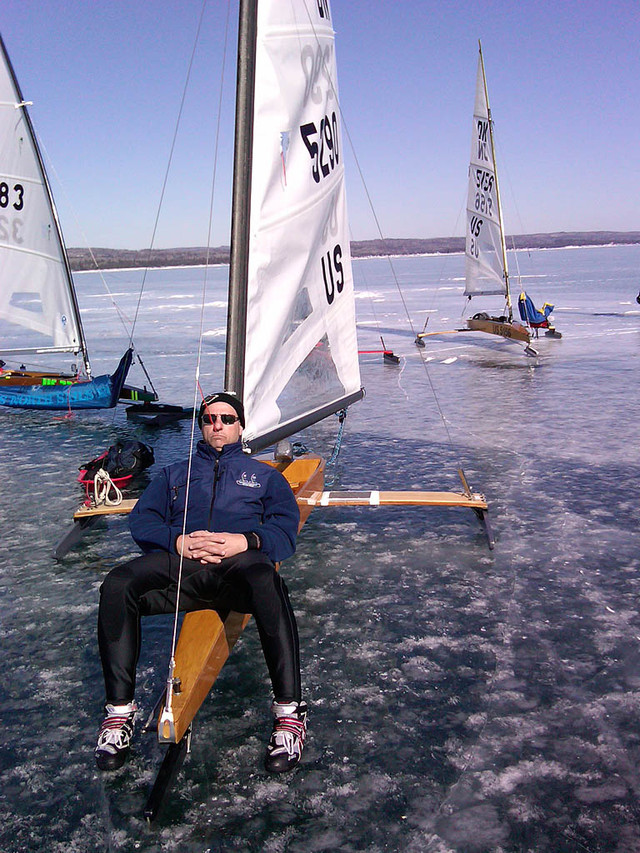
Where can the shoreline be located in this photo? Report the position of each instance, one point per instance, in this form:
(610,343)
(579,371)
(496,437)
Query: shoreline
(102,259)
(395,255)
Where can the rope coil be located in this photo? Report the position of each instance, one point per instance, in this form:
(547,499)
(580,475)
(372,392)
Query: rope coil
(103,486)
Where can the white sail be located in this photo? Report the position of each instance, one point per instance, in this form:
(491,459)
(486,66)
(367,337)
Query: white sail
(37,305)
(301,347)
(485,263)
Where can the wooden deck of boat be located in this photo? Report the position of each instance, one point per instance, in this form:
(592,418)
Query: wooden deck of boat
(123,508)
(502,328)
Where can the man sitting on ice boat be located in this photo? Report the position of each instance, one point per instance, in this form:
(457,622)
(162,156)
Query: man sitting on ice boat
(536,319)
(242,518)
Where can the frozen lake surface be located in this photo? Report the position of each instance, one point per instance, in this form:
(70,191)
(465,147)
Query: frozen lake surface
(461,699)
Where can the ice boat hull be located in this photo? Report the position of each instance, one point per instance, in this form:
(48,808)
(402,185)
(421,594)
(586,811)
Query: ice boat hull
(501,327)
(49,391)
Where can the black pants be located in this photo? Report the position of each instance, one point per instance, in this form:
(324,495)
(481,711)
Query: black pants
(146,586)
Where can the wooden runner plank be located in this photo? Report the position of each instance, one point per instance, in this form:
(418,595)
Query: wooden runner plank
(391,498)
(334,498)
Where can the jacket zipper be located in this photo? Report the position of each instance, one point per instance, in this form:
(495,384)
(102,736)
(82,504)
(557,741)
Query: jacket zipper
(216,474)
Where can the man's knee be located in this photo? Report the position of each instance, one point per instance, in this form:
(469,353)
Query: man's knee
(254,573)
(115,586)
(254,567)
(125,578)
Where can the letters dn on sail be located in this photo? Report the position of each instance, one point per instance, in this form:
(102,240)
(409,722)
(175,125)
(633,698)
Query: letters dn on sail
(483,145)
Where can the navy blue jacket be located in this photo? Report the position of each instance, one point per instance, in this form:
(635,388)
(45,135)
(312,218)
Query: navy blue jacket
(229,492)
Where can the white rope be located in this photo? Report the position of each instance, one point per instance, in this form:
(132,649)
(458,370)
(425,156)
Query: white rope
(103,485)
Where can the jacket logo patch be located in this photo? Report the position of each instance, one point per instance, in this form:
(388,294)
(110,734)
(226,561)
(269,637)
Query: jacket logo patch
(251,484)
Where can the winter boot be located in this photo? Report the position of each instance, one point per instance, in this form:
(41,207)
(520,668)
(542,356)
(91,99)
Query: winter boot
(114,739)
(287,738)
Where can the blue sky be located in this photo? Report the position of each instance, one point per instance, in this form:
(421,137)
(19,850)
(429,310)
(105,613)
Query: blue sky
(106,80)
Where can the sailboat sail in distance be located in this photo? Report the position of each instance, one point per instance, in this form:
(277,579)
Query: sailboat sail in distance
(486,267)
(39,314)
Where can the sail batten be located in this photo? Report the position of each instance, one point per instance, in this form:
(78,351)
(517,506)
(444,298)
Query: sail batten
(47,256)
(36,351)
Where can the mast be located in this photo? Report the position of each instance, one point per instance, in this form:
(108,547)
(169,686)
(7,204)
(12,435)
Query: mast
(495,171)
(54,212)
(241,199)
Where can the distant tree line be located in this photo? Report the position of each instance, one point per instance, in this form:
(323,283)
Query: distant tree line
(87,259)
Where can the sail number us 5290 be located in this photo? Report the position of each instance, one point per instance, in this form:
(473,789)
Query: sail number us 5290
(322,145)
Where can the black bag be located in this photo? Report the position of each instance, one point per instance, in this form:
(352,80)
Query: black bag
(122,459)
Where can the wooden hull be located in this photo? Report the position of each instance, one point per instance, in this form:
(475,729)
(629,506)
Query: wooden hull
(205,640)
(503,328)
(12,378)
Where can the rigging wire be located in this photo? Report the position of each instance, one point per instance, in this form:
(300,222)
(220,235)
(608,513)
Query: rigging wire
(171,152)
(392,268)
(446,257)
(342,417)
(198,393)
(397,283)
(126,322)
(371,300)
(504,169)
(128,325)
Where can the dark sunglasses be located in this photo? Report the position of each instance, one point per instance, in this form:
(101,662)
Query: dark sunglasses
(210,417)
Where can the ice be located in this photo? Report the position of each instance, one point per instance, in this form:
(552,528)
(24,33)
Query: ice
(461,699)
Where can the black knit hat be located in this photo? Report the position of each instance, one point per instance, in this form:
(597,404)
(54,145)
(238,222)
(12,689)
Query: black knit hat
(221,397)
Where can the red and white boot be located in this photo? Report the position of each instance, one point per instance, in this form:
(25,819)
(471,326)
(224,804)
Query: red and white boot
(114,738)
(287,738)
